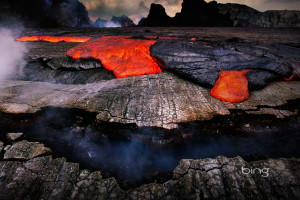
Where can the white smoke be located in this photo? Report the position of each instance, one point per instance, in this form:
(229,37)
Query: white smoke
(11,54)
(106,24)
(111,24)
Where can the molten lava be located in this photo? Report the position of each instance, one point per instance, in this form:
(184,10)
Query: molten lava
(232,86)
(53,39)
(125,57)
(193,39)
(293,77)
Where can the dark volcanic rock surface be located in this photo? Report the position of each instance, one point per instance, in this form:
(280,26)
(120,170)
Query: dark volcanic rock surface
(202,62)
(47,62)
(219,178)
(163,99)
(25,150)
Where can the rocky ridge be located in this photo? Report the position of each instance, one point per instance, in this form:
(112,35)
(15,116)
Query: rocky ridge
(245,16)
(199,13)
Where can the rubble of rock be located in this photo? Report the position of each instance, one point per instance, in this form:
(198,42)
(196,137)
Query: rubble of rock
(218,178)
(14,136)
(1,146)
(25,150)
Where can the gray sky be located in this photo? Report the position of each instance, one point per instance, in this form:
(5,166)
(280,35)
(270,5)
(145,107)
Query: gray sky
(136,9)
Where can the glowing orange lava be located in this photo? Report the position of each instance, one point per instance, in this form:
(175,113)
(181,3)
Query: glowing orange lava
(53,39)
(232,86)
(193,39)
(293,77)
(125,57)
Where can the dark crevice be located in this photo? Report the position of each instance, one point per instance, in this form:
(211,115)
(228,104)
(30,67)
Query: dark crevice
(140,155)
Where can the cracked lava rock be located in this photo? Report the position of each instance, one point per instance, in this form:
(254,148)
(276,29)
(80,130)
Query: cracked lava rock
(131,57)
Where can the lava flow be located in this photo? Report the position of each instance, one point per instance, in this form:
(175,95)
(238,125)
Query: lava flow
(232,86)
(125,57)
(54,39)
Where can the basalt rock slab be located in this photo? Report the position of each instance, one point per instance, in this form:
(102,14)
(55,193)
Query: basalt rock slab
(47,62)
(161,100)
(1,146)
(26,150)
(64,70)
(202,62)
(219,178)
(14,136)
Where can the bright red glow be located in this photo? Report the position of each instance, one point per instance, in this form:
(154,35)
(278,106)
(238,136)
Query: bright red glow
(53,39)
(232,86)
(192,39)
(125,57)
(293,77)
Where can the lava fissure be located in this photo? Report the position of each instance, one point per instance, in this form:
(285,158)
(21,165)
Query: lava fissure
(78,39)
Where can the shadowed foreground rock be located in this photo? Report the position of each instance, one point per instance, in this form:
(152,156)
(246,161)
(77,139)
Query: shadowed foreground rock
(25,150)
(219,178)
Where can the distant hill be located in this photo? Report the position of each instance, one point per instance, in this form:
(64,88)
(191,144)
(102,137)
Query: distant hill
(243,15)
(193,13)
(40,13)
(201,13)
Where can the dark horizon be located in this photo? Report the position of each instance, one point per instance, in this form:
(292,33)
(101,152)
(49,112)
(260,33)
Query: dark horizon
(139,9)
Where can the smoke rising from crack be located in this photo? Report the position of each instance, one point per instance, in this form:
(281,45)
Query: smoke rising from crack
(11,54)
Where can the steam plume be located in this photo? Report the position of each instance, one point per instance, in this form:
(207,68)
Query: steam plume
(11,54)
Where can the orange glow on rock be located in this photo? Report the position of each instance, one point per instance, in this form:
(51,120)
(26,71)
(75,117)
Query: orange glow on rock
(193,39)
(232,86)
(53,39)
(125,57)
